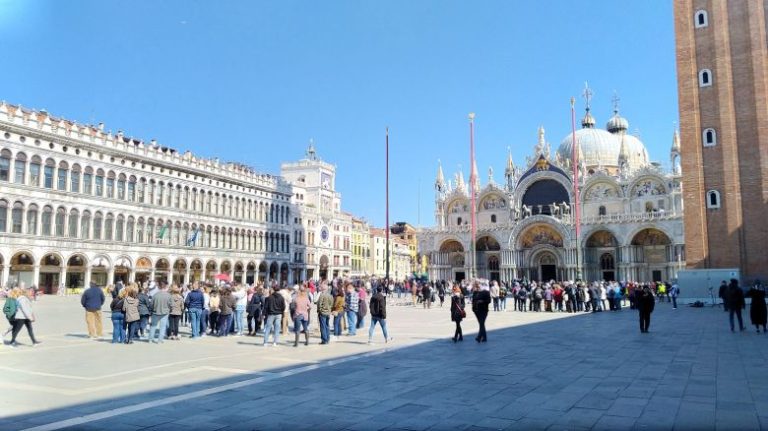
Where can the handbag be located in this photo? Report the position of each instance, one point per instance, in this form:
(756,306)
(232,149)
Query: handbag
(461,310)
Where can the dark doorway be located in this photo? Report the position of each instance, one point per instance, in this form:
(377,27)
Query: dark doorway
(656,275)
(609,276)
(459,277)
(548,272)
(495,276)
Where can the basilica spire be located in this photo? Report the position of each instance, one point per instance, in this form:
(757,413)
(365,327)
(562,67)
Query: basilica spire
(588,121)
(440,180)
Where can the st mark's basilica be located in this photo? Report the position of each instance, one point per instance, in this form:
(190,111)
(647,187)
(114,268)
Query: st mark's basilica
(631,214)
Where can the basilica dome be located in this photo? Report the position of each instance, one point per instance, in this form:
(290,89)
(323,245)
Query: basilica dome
(603,148)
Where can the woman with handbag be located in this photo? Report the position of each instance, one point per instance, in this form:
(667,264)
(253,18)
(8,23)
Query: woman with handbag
(457,312)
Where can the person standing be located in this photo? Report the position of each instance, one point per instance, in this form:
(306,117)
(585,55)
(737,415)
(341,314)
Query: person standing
(131,311)
(241,297)
(194,302)
(10,307)
(227,304)
(338,312)
(215,309)
(722,293)
(378,308)
(253,311)
(495,296)
(481,298)
(324,310)
(92,300)
(25,315)
(351,305)
(441,292)
(757,310)
(457,312)
(177,309)
(161,307)
(645,302)
(303,306)
(674,291)
(274,307)
(145,311)
(118,317)
(735,302)
(362,306)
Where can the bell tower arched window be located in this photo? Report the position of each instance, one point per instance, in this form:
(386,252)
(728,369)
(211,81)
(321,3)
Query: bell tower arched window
(700,19)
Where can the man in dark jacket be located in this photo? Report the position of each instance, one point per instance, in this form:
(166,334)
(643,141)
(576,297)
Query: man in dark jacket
(734,300)
(481,298)
(644,302)
(378,309)
(274,307)
(92,300)
(194,303)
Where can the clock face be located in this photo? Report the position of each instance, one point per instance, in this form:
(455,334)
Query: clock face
(324,234)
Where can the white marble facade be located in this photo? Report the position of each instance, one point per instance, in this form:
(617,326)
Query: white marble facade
(631,214)
(78,204)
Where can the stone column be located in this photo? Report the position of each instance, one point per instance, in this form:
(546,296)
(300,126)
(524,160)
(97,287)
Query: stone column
(187,275)
(169,279)
(131,275)
(87,277)
(6,274)
(62,278)
(35,275)
(111,276)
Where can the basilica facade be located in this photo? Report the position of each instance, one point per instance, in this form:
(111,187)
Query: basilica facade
(631,224)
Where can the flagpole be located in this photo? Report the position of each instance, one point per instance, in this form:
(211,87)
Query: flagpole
(472,182)
(386,139)
(577,204)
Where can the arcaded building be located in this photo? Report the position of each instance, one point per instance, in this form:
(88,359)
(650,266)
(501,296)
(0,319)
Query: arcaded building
(723,89)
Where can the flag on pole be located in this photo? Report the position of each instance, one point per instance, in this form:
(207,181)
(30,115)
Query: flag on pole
(191,240)
(161,232)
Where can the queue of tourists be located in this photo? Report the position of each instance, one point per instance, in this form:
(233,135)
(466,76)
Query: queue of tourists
(155,312)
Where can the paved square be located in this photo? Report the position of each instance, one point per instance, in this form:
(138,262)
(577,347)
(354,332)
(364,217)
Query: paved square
(538,371)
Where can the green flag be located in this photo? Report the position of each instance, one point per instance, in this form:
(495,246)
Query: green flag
(161,232)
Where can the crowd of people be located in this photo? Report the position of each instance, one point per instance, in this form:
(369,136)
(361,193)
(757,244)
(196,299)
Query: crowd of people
(154,312)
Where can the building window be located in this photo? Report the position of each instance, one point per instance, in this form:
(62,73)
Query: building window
(60,214)
(601,211)
(61,180)
(493,218)
(709,137)
(74,179)
(458,221)
(97,220)
(32,220)
(99,184)
(110,187)
(701,19)
(121,188)
(17,215)
(46,220)
(87,181)
(48,174)
(85,225)
(74,219)
(132,189)
(705,78)
(5,165)
(3,215)
(108,227)
(34,171)
(21,164)
(713,199)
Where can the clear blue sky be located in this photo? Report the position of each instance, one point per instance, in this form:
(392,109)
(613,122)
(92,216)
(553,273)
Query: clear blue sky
(253,81)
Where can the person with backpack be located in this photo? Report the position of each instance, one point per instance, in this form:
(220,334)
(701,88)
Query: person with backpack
(253,311)
(378,308)
(9,309)
(25,315)
(645,304)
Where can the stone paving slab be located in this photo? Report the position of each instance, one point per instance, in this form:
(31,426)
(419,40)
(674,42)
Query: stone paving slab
(538,371)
